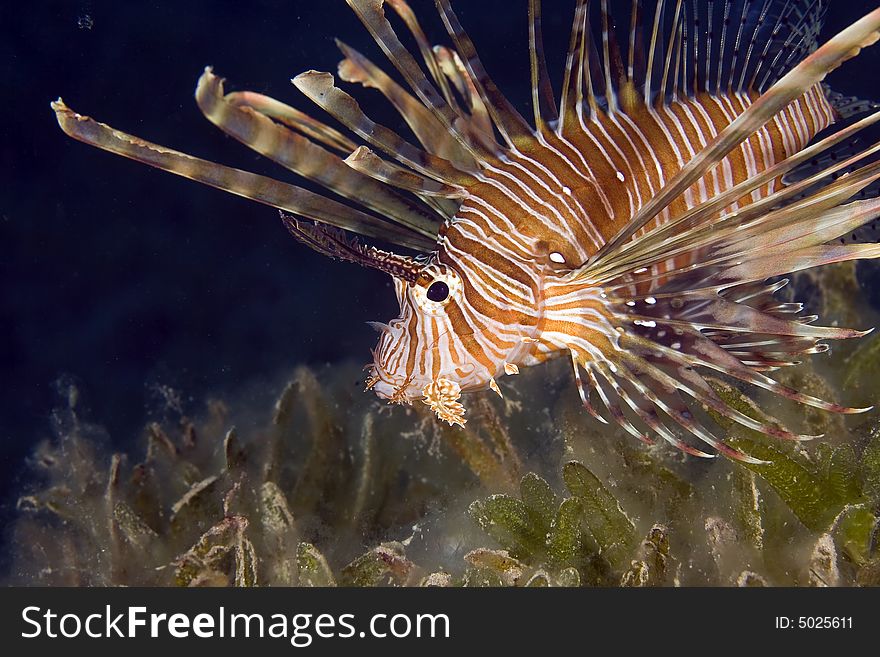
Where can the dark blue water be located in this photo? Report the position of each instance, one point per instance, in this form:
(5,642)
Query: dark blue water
(127,278)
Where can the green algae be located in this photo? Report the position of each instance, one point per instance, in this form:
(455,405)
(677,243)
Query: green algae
(313,567)
(651,567)
(384,565)
(815,488)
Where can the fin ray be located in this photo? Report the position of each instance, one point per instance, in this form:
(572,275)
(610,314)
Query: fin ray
(241,183)
(811,71)
(309,160)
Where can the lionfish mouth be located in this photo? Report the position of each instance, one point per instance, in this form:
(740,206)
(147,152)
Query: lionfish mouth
(394,388)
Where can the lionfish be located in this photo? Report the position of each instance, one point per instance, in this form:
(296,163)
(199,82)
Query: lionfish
(638,226)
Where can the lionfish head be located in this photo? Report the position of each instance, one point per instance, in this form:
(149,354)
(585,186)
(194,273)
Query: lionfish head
(419,354)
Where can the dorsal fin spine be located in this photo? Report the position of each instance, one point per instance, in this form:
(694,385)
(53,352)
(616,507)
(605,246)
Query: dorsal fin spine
(655,31)
(752,42)
(722,47)
(709,38)
(633,30)
(680,46)
(670,48)
(610,87)
(737,46)
(787,48)
(763,58)
(585,72)
(508,121)
(543,100)
(574,57)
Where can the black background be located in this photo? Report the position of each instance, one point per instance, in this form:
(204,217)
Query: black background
(126,278)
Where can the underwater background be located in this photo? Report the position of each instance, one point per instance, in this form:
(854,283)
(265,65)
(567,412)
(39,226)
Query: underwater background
(149,295)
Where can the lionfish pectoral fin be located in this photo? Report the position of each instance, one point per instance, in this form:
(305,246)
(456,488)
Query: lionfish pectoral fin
(583,389)
(235,181)
(649,360)
(651,363)
(647,400)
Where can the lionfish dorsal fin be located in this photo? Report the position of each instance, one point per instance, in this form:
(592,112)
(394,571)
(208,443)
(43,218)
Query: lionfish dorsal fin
(475,123)
(677,48)
(321,89)
(543,98)
(612,65)
(402,8)
(371,13)
(293,119)
(738,45)
(509,122)
(366,161)
(472,123)
(805,75)
(575,77)
(433,135)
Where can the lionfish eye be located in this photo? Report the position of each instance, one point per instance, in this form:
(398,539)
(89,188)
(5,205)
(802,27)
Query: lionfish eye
(439,291)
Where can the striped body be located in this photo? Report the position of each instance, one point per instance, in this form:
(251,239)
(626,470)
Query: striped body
(568,194)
